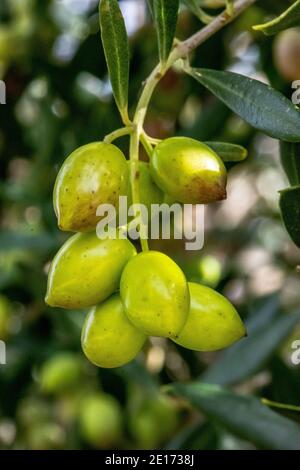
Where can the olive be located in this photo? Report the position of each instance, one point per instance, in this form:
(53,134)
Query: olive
(155,294)
(62,372)
(212,324)
(188,171)
(108,338)
(86,270)
(92,175)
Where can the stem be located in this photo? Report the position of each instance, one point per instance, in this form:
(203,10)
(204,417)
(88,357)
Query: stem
(109,138)
(184,48)
(282,406)
(134,180)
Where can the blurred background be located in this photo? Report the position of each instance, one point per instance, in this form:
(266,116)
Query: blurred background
(58,97)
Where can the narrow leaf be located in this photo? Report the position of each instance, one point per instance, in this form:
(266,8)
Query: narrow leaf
(266,331)
(228,152)
(290,160)
(260,105)
(290,210)
(165,14)
(244,416)
(150,6)
(289,18)
(116,49)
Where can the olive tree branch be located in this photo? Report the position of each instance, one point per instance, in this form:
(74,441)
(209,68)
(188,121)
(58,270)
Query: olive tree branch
(181,50)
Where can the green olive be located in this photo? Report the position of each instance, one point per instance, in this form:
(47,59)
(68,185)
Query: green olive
(154,421)
(108,338)
(155,294)
(100,420)
(149,191)
(212,324)
(189,171)
(86,271)
(61,372)
(94,174)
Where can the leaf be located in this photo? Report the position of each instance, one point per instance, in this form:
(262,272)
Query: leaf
(266,331)
(116,49)
(150,6)
(244,416)
(258,104)
(289,18)
(228,152)
(290,160)
(165,14)
(289,203)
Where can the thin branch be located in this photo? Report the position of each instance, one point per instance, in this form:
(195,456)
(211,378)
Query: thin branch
(185,47)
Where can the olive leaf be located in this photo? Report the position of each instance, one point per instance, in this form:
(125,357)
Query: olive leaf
(266,331)
(290,160)
(228,152)
(289,203)
(244,416)
(289,18)
(260,105)
(165,15)
(150,6)
(116,49)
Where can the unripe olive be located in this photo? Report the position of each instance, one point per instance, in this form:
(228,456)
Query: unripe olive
(45,436)
(149,191)
(189,171)
(155,294)
(108,338)
(287,54)
(100,420)
(92,175)
(153,422)
(87,270)
(60,373)
(212,324)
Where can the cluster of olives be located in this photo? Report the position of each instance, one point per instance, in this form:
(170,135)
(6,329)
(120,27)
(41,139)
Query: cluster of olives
(135,295)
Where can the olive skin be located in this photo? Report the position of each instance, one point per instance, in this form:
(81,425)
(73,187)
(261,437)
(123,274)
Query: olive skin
(86,271)
(94,174)
(60,373)
(286,53)
(108,338)
(149,191)
(100,420)
(155,294)
(188,171)
(212,324)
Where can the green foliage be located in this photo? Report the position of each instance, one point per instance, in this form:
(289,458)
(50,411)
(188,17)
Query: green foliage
(243,415)
(116,49)
(288,19)
(165,15)
(258,104)
(290,210)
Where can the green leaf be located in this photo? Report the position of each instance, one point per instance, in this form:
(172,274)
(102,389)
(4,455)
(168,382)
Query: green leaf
(260,105)
(266,330)
(244,416)
(165,14)
(289,18)
(116,49)
(290,210)
(290,160)
(228,152)
(150,6)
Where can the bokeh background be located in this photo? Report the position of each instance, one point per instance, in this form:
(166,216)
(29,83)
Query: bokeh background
(58,98)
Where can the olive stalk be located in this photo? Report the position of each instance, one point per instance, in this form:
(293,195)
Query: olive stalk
(181,50)
(109,138)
